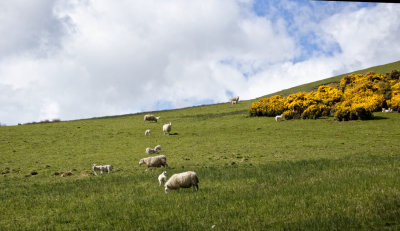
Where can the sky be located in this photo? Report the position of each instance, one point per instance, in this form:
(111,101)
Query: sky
(80,59)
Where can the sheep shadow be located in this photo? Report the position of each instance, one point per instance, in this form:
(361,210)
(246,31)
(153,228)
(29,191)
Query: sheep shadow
(380,118)
(174,134)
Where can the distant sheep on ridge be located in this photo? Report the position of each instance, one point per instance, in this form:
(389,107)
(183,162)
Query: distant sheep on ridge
(151,118)
(234,100)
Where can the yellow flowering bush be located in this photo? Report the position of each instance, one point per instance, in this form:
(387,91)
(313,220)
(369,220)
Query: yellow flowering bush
(316,110)
(394,102)
(271,106)
(357,97)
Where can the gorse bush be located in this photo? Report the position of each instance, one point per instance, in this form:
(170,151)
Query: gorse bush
(356,97)
(268,106)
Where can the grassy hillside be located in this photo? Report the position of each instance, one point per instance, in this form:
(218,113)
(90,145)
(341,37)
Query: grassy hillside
(255,173)
(386,68)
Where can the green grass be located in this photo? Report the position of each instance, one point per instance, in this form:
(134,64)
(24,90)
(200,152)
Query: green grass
(255,173)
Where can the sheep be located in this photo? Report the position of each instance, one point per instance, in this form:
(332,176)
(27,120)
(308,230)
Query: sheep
(387,110)
(151,118)
(281,117)
(167,128)
(154,161)
(147,132)
(162,178)
(150,151)
(235,100)
(182,180)
(102,168)
(157,148)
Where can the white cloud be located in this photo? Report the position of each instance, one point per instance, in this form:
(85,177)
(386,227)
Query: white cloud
(80,59)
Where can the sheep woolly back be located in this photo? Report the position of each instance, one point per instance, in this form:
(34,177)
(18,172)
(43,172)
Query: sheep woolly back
(182,180)
(167,127)
(155,161)
(151,118)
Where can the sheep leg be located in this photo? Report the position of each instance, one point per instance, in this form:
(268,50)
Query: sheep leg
(95,173)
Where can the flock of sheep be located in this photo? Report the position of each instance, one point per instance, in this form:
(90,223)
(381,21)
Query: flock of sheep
(176,181)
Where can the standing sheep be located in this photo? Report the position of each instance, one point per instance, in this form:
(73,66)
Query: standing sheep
(167,128)
(280,117)
(154,161)
(182,180)
(235,100)
(147,132)
(162,178)
(151,118)
(102,168)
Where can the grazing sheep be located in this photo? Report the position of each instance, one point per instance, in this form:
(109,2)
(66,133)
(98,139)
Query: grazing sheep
(182,180)
(235,100)
(279,117)
(154,161)
(157,148)
(387,110)
(151,118)
(162,178)
(102,168)
(167,128)
(150,151)
(147,132)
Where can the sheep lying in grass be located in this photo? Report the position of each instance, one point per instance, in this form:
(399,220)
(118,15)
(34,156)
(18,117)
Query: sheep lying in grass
(154,161)
(162,178)
(235,100)
(280,117)
(147,132)
(167,128)
(157,148)
(182,180)
(102,168)
(387,110)
(151,118)
(150,151)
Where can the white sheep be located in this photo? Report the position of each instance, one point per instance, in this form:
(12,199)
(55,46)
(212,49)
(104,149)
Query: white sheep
(387,110)
(182,180)
(157,148)
(162,178)
(279,117)
(147,132)
(102,168)
(167,128)
(150,151)
(234,100)
(151,118)
(154,161)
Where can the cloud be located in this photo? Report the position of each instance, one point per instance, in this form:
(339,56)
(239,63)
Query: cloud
(81,59)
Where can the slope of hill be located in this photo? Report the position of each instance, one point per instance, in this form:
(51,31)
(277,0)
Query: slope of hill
(386,68)
(255,173)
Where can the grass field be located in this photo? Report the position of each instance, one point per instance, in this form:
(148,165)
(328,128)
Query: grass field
(255,173)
